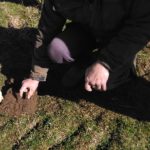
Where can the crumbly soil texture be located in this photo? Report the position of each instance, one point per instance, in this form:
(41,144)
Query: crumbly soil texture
(14,105)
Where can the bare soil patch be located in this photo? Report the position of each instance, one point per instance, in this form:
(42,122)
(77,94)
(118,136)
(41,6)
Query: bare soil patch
(14,105)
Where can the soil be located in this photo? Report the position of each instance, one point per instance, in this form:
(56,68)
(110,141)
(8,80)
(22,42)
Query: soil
(14,105)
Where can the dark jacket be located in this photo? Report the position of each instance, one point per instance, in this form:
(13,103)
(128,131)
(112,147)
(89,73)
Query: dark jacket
(122,25)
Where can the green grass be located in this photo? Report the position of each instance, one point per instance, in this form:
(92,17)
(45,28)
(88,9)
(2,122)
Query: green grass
(18,16)
(61,124)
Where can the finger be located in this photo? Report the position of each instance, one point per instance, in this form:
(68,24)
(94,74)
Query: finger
(93,85)
(104,87)
(22,90)
(88,87)
(30,93)
(86,78)
(98,85)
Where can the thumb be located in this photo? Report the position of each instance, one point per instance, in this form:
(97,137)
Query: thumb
(88,87)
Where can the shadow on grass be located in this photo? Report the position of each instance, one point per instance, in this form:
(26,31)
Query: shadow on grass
(130,99)
(23,2)
(16,46)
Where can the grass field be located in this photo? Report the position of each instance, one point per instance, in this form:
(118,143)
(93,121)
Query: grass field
(69,120)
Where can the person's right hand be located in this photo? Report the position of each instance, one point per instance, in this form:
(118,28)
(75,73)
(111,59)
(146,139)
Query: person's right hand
(29,86)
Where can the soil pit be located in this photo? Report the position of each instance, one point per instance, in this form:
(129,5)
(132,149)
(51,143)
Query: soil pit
(13,105)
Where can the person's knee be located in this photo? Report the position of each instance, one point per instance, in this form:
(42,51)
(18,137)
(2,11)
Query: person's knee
(58,51)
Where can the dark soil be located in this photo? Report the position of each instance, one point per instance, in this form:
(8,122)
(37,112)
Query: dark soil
(14,105)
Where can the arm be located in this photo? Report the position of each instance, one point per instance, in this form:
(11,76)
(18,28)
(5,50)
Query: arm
(133,36)
(50,24)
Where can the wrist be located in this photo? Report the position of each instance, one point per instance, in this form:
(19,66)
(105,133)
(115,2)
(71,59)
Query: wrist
(37,77)
(36,81)
(104,64)
(38,73)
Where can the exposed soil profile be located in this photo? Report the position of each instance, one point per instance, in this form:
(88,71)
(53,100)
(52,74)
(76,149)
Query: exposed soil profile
(14,105)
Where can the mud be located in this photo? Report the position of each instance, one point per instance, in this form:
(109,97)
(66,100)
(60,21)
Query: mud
(14,105)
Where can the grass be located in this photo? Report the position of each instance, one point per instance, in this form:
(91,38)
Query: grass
(13,18)
(59,123)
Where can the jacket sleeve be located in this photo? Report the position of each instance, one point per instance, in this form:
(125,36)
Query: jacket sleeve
(50,24)
(132,37)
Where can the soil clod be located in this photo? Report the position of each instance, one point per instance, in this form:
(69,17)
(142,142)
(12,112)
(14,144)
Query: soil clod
(14,105)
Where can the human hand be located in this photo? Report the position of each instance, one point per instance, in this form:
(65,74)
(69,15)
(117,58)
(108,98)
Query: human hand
(30,86)
(96,77)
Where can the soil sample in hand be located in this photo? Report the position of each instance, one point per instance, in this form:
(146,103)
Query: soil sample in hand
(14,105)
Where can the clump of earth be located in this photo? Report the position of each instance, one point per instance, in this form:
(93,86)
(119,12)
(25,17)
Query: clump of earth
(14,105)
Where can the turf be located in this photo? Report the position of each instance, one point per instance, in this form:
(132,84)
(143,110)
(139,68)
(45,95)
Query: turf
(69,120)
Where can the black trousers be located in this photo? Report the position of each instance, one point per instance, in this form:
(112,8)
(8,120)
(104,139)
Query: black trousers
(81,45)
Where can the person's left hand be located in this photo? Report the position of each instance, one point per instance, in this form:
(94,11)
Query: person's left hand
(96,77)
